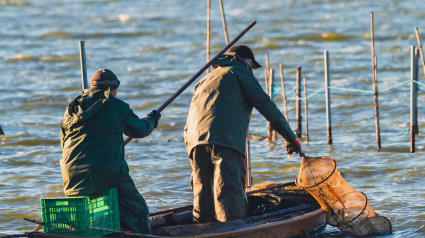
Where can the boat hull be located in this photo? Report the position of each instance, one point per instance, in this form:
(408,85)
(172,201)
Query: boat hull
(303,226)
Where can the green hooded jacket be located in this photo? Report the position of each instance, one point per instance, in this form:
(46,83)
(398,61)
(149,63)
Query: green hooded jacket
(222,104)
(92,141)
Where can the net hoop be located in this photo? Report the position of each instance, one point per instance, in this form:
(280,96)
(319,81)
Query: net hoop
(317,184)
(351,220)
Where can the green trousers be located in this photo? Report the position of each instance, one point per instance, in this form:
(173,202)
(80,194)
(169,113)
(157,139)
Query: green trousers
(218,184)
(134,213)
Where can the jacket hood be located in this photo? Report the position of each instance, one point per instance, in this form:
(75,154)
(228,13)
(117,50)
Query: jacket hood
(229,58)
(83,107)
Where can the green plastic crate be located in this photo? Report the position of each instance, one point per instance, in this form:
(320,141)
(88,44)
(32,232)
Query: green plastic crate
(72,215)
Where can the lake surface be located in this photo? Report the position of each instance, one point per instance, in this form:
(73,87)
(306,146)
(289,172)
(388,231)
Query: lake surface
(154,47)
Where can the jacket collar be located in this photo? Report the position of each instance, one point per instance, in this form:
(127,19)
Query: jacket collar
(229,58)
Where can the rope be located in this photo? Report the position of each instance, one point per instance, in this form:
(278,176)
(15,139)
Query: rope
(351,90)
(368,92)
(387,89)
(415,81)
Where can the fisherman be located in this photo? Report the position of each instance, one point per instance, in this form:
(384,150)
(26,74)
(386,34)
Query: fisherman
(93,147)
(216,132)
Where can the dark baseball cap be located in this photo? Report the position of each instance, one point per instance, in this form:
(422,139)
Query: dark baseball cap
(104,78)
(244,52)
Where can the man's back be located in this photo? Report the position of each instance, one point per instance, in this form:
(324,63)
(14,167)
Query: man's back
(92,141)
(220,112)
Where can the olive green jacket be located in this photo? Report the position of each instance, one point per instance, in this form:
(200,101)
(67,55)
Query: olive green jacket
(92,141)
(222,104)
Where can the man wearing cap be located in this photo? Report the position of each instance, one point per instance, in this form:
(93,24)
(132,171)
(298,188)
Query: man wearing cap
(216,132)
(93,147)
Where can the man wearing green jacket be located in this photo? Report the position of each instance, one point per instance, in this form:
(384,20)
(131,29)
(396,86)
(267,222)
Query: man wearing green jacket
(216,131)
(93,147)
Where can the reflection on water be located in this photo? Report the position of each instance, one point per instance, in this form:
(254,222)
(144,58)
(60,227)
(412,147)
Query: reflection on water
(155,46)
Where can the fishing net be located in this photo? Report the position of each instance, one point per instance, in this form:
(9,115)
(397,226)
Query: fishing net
(346,208)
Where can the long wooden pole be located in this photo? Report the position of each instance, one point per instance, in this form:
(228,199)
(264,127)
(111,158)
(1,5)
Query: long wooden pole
(420,49)
(208,31)
(306,110)
(375,83)
(223,19)
(413,99)
(285,106)
(83,65)
(328,97)
(298,104)
(195,76)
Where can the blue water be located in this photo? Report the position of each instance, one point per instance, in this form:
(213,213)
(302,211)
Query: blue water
(156,46)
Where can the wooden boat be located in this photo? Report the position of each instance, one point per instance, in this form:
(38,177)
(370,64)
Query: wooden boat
(276,210)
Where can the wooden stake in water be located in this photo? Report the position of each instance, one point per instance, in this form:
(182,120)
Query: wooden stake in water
(83,65)
(413,98)
(298,104)
(266,81)
(268,91)
(416,90)
(267,73)
(305,109)
(208,31)
(285,106)
(328,97)
(417,69)
(376,104)
(223,19)
(375,83)
(272,132)
(248,177)
(420,49)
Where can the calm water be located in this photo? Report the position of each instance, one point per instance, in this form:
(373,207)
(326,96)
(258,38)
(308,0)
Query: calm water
(156,46)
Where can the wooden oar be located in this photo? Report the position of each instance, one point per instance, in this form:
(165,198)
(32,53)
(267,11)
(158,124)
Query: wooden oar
(39,224)
(166,103)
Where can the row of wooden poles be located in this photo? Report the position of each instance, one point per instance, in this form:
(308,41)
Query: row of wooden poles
(270,87)
(269,82)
